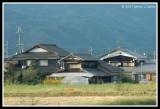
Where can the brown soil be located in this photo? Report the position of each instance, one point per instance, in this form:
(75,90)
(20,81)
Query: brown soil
(57,101)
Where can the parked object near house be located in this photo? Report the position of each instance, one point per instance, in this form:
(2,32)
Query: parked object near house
(144,81)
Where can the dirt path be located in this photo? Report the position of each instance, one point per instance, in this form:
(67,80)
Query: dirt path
(78,100)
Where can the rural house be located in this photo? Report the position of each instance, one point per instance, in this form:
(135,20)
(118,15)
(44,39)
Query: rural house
(46,57)
(57,62)
(131,62)
(122,57)
(85,65)
(145,71)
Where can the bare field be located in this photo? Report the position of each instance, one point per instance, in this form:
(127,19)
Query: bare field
(54,100)
(59,101)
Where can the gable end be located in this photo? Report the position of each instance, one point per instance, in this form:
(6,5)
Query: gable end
(38,46)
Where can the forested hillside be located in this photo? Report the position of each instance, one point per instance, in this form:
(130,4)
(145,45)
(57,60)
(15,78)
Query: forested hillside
(78,26)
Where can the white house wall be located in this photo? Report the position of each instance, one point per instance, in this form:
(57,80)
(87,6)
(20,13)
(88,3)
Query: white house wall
(38,50)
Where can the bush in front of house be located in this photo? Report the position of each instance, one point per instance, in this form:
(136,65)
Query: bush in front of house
(27,76)
(39,78)
(18,77)
(125,78)
(30,75)
(9,75)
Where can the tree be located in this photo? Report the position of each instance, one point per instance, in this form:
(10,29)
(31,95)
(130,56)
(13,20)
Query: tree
(29,74)
(10,73)
(19,77)
(40,77)
(32,65)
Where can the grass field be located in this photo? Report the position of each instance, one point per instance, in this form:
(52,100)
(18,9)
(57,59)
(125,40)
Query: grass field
(36,93)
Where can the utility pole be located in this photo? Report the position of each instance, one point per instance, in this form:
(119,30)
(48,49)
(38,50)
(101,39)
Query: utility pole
(90,50)
(154,55)
(141,69)
(6,49)
(20,45)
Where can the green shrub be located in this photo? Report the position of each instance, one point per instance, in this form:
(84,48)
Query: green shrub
(10,73)
(29,75)
(125,78)
(40,77)
(19,77)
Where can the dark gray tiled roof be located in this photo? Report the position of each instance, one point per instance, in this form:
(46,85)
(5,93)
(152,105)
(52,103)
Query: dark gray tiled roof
(9,58)
(39,55)
(109,67)
(86,57)
(146,68)
(96,72)
(61,52)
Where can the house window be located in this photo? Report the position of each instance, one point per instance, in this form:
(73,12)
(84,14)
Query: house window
(126,64)
(28,62)
(75,65)
(43,63)
(115,64)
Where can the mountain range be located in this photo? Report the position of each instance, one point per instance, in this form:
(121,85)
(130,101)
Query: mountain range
(80,26)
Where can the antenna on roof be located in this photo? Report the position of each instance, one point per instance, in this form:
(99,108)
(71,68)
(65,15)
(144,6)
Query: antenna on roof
(20,45)
(118,44)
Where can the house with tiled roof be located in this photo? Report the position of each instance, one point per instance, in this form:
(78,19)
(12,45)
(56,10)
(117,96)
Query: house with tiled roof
(87,63)
(122,57)
(136,65)
(146,70)
(46,57)
(57,62)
